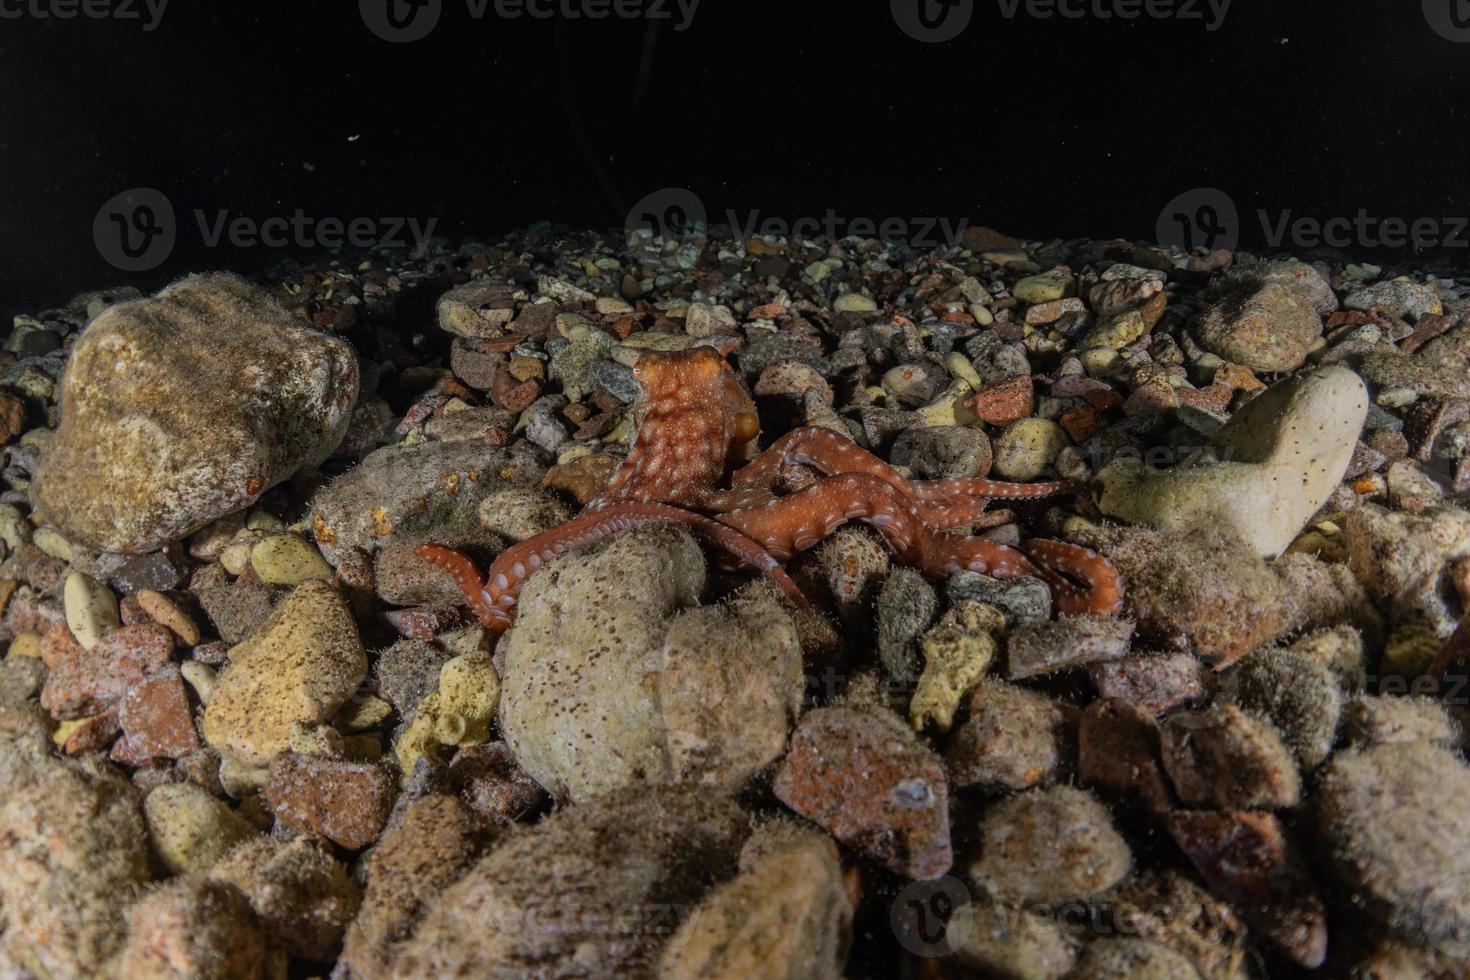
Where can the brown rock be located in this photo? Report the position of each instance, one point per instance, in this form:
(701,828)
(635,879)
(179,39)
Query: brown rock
(1269,328)
(156,719)
(1158,682)
(1014,739)
(83,682)
(1229,759)
(583,477)
(301,893)
(1047,847)
(869,781)
(1118,748)
(1244,858)
(1072,641)
(493,784)
(1003,402)
(345,802)
(12,417)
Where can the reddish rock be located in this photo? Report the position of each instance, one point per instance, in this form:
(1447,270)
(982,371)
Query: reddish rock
(156,719)
(1245,859)
(424,622)
(862,775)
(12,417)
(511,395)
(1224,757)
(1003,402)
(474,365)
(1081,424)
(27,612)
(1118,749)
(1158,682)
(92,734)
(493,784)
(346,802)
(1216,398)
(1045,313)
(978,238)
(83,683)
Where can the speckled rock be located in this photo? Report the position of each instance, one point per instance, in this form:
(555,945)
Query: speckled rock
(302,895)
(300,666)
(1027,449)
(994,940)
(345,802)
(1023,600)
(192,927)
(609,681)
(1298,695)
(1264,326)
(190,829)
(1393,823)
(1402,297)
(1071,641)
(187,406)
(402,491)
(1014,739)
(907,604)
(73,849)
(863,776)
(1229,759)
(943,451)
(786,916)
(1369,720)
(1049,846)
(1279,459)
(432,846)
(586,891)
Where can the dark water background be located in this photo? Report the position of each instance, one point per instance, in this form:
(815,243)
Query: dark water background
(1041,127)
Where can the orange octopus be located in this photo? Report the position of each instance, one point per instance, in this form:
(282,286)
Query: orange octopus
(694,423)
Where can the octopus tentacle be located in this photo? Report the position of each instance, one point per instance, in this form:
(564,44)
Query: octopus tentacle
(786,525)
(1103,593)
(494,598)
(971,487)
(821,449)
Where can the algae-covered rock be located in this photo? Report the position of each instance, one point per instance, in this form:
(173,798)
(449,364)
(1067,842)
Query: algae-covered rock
(184,407)
(193,927)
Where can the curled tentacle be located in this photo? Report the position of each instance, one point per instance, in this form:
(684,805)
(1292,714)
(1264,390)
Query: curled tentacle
(494,598)
(1060,563)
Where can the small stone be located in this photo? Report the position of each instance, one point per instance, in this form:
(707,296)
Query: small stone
(866,779)
(1118,749)
(300,666)
(907,604)
(1025,450)
(1297,694)
(302,894)
(493,784)
(995,940)
(943,452)
(1004,402)
(345,802)
(1261,326)
(1023,599)
(83,683)
(285,559)
(1402,297)
(169,610)
(1072,641)
(193,928)
(1014,739)
(1157,682)
(854,303)
(156,719)
(91,609)
(1048,846)
(1370,720)
(1228,759)
(480,308)
(190,829)
(1244,858)
(1048,287)
(958,651)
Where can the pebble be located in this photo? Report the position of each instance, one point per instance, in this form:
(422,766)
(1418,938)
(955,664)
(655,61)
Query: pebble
(1117,751)
(191,830)
(907,604)
(1263,326)
(1280,458)
(91,609)
(1225,758)
(1014,739)
(193,927)
(1026,449)
(865,778)
(345,802)
(302,894)
(157,720)
(1072,641)
(1047,287)
(1048,846)
(854,303)
(300,666)
(1023,599)
(285,559)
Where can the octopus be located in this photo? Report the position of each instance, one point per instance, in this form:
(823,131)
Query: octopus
(695,426)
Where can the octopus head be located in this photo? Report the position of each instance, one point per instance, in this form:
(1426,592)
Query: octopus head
(699,382)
